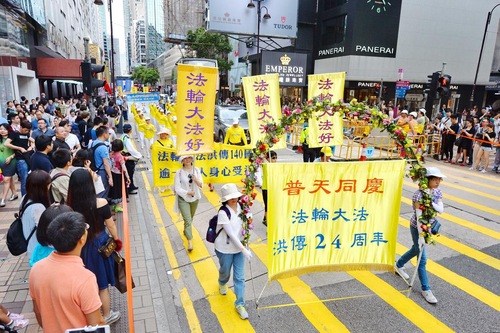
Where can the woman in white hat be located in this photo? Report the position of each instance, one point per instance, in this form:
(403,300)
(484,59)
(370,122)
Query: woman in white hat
(164,140)
(434,177)
(188,184)
(229,249)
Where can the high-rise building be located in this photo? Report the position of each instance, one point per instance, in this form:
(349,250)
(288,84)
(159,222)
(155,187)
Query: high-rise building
(155,23)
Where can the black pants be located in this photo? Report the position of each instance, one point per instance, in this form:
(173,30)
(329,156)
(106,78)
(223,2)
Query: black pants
(130,165)
(309,154)
(449,145)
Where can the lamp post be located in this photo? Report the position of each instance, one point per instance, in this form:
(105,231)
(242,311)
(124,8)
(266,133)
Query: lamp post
(488,20)
(112,58)
(259,21)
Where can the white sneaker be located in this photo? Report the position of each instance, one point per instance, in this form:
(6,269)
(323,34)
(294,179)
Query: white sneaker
(483,171)
(471,169)
(401,271)
(113,316)
(242,312)
(429,297)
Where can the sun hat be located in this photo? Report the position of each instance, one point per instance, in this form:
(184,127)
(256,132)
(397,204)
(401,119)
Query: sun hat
(327,151)
(182,158)
(434,172)
(236,121)
(404,111)
(147,118)
(165,131)
(422,110)
(229,191)
(414,114)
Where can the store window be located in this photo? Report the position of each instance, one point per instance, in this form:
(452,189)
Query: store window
(334,30)
(330,4)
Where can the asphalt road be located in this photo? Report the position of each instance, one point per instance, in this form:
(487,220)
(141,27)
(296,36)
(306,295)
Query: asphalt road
(463,268)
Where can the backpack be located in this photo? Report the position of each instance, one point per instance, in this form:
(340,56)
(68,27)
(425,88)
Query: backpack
(91,151)
(51,196)
(212,225)
(16,242)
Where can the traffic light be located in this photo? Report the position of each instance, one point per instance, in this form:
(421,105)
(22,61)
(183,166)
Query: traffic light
(377,89)
(432,85)
(89,74)
(444,86)
(384,91)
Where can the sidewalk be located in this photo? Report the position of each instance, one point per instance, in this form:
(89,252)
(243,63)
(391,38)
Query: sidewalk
(154,309)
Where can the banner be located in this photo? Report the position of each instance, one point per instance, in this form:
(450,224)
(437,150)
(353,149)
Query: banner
(332,216)
(226,164)
(262,98)
(327,130)
(196,88)
(142,101)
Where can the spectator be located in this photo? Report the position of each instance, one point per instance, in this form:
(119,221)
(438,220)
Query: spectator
(82,161)
(43,248)
(132,156)
(37,192)
(97,213)
(465,146)
(23,147)
(15,122)
(188,184)
(59,140)
(7,164)
(235,134)
(12,321)
(91,134)
(228,247)
(487,138)
(434,177)
(59,176)
(73,301)
(42,129)
(83,124)
(496,123)
(450,137)
(71,139)
(101,158)
(40,159)
(117,169)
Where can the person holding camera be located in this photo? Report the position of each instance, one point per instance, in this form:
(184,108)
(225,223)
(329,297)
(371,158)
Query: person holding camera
(487,137)
(187,185)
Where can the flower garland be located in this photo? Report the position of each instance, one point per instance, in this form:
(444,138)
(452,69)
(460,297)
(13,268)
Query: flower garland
(351,110)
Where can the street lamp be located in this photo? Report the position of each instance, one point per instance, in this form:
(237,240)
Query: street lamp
(259,21)
(112,58)
(488,20)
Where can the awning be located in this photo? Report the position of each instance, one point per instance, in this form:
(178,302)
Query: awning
(44,52)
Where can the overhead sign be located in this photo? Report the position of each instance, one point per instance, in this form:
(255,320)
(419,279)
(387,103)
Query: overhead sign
(414,97)
(290,67)
(235,17)
(400,93)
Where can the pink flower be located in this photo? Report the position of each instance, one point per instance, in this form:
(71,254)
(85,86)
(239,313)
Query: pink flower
(299,111)
(386,121)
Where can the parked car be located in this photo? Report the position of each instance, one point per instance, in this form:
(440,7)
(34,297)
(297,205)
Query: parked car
(223,119)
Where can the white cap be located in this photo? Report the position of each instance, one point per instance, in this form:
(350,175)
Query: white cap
(236,121)
(434,172)
(404,111)
(414,114)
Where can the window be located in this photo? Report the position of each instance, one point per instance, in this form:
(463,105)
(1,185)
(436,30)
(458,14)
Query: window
(330,4)
(333,30)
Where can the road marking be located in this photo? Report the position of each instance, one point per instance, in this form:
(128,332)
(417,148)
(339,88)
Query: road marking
(407,307)
(207,274)
(464,201)
(493,187)
(192,318)
(311,306)
(462,222)
(467,172)
(461,248)
(471,288)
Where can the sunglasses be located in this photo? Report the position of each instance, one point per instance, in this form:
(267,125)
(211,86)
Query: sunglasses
(190,178)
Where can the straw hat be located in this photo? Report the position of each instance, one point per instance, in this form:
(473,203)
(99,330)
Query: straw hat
(229,191)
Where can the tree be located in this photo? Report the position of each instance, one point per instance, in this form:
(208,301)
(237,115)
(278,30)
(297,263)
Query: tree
(209,45)
(145,75)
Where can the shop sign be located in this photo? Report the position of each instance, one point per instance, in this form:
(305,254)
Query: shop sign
(290,67)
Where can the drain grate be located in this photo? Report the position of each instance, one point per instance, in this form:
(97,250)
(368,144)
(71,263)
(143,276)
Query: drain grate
(142,169)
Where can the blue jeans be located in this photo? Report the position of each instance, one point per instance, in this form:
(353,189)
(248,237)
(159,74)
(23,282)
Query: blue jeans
(237,260)
(413,252)
(22,170)
(105,182)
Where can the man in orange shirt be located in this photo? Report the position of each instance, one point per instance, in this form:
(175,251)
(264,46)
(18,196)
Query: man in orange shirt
(65,294)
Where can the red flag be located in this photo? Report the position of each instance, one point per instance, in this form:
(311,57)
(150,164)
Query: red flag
(107,88)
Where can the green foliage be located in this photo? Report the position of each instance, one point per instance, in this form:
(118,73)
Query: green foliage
(145,75)
(211,46)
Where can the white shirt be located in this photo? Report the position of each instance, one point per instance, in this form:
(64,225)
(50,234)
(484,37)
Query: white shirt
(72,140)
(223,243)
(182,185)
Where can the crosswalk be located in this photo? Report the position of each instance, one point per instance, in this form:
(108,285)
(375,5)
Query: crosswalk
(464,269)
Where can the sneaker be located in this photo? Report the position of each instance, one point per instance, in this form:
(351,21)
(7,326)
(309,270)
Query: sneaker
(495,169)
(483,171)
(113,317)
(429,297)
(471,169)
(223,289)
(14,197)
(190,246)
(401,271)
(264,222)
(2,203)
(242,312)
(118,209)
(17,324)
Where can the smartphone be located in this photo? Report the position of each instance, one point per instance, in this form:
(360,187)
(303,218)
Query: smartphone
(95,329)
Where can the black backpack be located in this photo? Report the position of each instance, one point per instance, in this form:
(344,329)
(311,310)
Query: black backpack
(16,242)
(91,151)
(212,225)
(51,196)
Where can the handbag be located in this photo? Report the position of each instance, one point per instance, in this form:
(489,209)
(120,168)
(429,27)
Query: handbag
(458,141)
(107,248)
(120,274)
(435,227)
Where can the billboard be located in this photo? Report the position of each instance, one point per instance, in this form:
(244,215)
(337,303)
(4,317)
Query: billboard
(236,18)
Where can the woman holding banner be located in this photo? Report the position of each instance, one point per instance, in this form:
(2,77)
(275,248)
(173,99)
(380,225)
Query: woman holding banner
(188,184)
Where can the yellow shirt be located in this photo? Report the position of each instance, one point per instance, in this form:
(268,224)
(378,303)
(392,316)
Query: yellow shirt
(167,143)
(141,124)
(149,131)
(234,136)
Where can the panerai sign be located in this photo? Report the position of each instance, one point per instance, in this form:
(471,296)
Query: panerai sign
(291,67)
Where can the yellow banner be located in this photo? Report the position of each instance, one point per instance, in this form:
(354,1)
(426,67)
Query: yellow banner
(196,87)
(262,98)
(327,130)
(332,216)
(226,164)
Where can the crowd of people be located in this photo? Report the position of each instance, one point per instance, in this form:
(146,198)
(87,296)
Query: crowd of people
(70,166)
